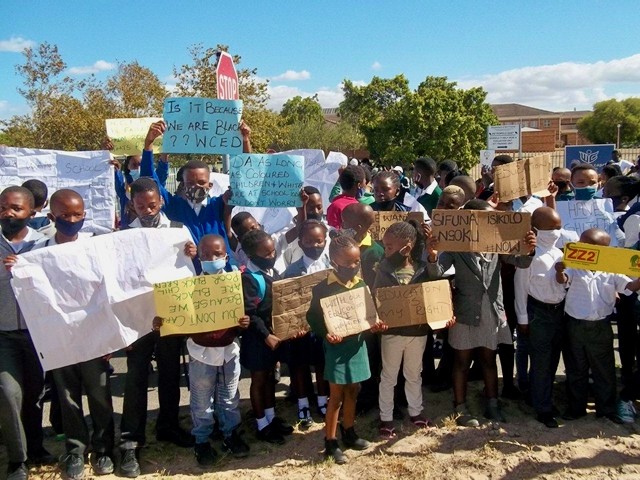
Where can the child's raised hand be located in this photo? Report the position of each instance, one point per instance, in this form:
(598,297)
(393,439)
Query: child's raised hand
(530,240)
(190,250)
(156,324)
(115,163)
(494,200)
(304,196)
(272,341)
(560,267)
(226,196)
(432,249)
(553,188)
(426,230)
(245,130)
(333,339)
(155,130)
(244,321)
(9,261)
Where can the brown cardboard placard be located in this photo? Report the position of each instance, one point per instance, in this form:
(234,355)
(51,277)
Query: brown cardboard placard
(481,231)
(291,299)
(350,312)
(385,219)
(428,302)
(524,177)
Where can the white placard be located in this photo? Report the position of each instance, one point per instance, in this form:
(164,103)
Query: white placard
(88,173)
(88,298)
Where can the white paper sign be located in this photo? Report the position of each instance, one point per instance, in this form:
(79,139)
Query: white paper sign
(91,297)
(88,173)
(580,215)
(503,137)
(486,157)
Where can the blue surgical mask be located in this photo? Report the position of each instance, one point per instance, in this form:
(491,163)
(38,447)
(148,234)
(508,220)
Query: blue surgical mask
(135,174)
(585,193)
(67,228)
(214,266)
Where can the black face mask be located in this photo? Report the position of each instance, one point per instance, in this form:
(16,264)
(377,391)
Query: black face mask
(196,194)
(313,253)
(346,274)
(11,226)
(314,216)
(263,263)
(396,259)
(562,186)
(387,206)
(150,221)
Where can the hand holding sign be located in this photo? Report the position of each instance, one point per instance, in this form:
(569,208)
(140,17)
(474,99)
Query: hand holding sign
(156,129)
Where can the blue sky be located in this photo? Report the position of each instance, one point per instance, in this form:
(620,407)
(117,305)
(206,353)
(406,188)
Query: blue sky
(556,55)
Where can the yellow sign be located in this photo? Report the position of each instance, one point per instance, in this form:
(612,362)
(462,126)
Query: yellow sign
(128,134)
(199,304)
(585,256)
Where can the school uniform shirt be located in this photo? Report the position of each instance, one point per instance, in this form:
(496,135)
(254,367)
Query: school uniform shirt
(592,295)
(539,281)
(429,196)
(164,223)
(10,315)
(306,266)
(280,244)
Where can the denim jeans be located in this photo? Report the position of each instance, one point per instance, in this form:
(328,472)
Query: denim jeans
(214,390)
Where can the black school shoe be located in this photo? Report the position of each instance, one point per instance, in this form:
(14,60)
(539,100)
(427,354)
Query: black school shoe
(235,445)
(101,464)
(351,439)
(177,436)
(332,450)
(270,434)
(547,419)
(72,466)
(205,454)
(282,427)
(129,465)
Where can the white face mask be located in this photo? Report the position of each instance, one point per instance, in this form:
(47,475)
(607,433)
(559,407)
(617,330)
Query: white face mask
(548,238)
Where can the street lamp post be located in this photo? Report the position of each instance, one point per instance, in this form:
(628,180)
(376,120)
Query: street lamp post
(618,142)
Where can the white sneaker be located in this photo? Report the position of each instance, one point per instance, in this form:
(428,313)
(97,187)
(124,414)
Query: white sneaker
(626,411)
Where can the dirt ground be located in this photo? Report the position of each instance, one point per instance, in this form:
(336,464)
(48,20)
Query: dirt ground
(521,448)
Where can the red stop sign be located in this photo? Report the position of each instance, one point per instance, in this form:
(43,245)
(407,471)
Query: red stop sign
(227,81)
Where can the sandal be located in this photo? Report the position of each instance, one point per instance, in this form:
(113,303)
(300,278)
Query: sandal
(386,430)
(422,422)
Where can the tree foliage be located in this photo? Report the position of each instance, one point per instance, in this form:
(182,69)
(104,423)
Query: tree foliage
(302,110)
(437,119)
(341,137)
(601,126)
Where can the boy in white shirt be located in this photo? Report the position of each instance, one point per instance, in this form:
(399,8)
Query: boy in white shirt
(590,299)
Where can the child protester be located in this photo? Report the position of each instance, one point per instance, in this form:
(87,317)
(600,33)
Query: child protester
(403,244)
(40,194)
(591,298)
(21,375)
(67,213)
(346,360)
(539,306)
(259,346)
(481,322)
(147,204)
(307,350)
(214,371)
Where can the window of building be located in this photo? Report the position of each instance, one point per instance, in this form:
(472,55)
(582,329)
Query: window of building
(546,123)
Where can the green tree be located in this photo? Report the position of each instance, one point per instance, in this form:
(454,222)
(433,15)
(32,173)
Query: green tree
(437,119)
(341,137)
(136,91)
(601,126)
(302,110)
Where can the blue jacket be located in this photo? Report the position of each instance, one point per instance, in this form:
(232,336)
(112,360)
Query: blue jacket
(162,172)
(209,220)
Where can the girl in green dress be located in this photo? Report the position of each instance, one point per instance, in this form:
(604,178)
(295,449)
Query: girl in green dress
(346,361)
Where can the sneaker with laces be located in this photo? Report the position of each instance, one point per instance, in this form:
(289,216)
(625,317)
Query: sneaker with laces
(129,466)
(205,454)
(235,445)
(102,464)
(626,411)
(72,466)
(305,421)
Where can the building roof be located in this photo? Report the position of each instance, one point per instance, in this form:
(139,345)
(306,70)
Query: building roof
(516,110)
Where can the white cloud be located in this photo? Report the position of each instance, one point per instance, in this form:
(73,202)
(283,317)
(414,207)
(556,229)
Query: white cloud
(562,86)
(99,66)
(376,65)
(327,97)
(15,44)
(292,75)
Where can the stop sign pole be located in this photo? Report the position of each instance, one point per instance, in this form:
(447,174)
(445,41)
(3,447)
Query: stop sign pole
(227,87)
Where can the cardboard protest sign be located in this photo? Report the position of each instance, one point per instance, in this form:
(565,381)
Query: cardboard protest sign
(585,256)
(385,219)
(524,177)
(404,305)
(200,304)
(88,173)
(580,215)
(202,125)
(291,299)
(85,299)
(128,134)
(271,181)
(480,231)
(350,312)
